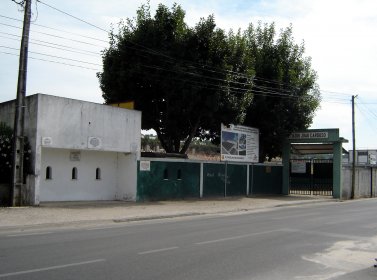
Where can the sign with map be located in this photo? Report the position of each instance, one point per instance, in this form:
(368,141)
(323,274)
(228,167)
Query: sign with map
(239,143)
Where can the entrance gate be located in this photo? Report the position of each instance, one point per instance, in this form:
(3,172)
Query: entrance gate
(311,177)
(326,178)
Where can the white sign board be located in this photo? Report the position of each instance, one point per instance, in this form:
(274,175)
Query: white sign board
(75,156)
(239,143)
(310,135)
(145,165)
(298,166)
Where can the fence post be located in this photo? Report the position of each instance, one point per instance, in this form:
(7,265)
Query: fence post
(247,179)
(201,180)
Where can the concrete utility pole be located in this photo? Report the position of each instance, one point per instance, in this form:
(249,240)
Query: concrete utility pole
(353,149)
(18,142)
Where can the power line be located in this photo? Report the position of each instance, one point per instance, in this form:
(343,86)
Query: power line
(195,84)
(145,48)
(55,56)
(55,36)
(56,29)
(207,67)
(54,44)
(52,61)
(63,48)
(336,92)
(206,85)
(369,123)
(79,19)
(154,52)
(373,114)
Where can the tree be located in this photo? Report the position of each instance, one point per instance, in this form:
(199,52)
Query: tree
(186,81)
(285,91)
(149,141)
(6,154)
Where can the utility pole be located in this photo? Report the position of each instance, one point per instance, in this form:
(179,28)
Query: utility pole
(18,139)
(353,149)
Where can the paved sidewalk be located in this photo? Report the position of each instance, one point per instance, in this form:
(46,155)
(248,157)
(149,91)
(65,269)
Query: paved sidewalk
(63,213)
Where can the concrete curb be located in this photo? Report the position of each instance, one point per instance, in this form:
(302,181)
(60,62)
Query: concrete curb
(109,221)
(158,217)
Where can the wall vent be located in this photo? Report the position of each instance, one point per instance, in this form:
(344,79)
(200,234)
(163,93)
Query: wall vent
(46,141)
(94,143)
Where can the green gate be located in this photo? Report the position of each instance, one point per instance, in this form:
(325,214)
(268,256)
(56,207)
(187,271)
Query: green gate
(311,177)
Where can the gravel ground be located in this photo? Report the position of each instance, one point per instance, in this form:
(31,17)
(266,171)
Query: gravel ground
(117,211)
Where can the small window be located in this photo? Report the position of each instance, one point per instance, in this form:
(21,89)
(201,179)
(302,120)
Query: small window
(48,173)
(179,174)
(98,173)
(166,174)
(74,173)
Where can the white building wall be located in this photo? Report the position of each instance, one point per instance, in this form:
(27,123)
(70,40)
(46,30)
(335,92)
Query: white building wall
(86,187)
(68,125)
(127,181)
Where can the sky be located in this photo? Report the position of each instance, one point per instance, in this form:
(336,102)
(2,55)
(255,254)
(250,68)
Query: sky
(339,36)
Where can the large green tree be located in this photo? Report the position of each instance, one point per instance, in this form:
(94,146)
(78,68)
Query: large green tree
(286,94)
(186,81)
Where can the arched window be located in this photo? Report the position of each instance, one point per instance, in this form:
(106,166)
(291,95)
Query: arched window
(179,174)
(166,174)
(98,173)
(48,173)
(74,173)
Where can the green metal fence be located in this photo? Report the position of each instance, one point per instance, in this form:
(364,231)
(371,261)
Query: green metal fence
(174,179)
(266,179)
(168,180)
(214,179)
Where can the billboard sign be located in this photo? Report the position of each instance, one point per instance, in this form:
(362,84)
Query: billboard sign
(239,143)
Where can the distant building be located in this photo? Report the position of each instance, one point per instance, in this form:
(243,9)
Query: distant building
(364,157)
(80,150)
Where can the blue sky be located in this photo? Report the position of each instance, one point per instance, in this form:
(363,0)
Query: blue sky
(339,35)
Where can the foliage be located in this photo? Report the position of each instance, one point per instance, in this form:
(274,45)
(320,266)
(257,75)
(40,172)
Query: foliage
(285,91)
(6,154)
(187,81)
(179,77)
(204,147)
(151,141)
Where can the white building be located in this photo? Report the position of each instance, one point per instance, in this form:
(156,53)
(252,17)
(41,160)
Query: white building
(363,157)
(80,150)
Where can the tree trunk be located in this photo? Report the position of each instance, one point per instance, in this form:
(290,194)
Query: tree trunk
(164,145)
(189,138)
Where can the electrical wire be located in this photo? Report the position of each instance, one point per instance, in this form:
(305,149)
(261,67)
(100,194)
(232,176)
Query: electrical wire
(55,36)
(369,123)
(154,52)
(151,51)
(203,67)
(56,29)
(63,48)
(55,56)
(52,61)
(79,19)
(54,44)
(371,112)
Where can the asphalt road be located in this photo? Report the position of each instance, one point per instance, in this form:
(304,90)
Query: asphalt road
(320,241)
